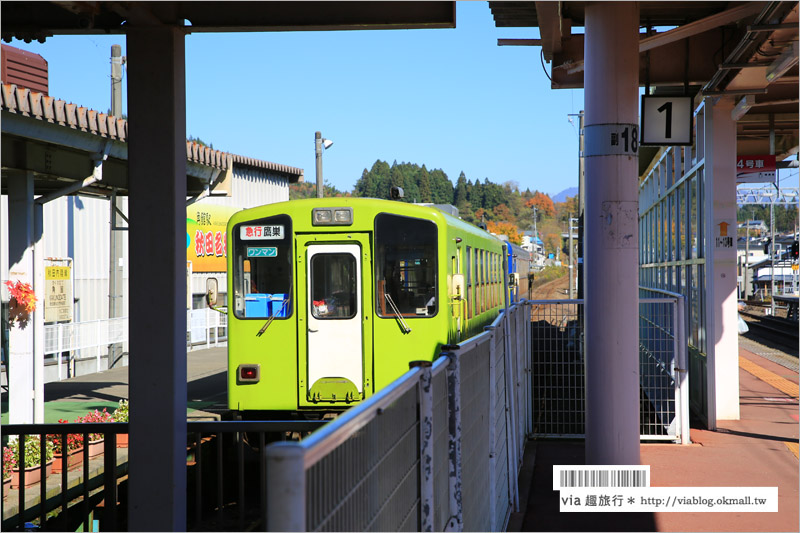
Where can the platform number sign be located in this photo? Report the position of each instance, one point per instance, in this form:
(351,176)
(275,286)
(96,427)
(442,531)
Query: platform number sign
(667,121)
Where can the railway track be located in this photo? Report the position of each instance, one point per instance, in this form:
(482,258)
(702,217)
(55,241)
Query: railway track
(776,330)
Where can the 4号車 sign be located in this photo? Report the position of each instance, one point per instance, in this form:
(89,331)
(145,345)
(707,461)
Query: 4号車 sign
(755,169)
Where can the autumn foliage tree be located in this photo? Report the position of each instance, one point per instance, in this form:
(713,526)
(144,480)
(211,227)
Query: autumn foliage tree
(505,228)
(542,203)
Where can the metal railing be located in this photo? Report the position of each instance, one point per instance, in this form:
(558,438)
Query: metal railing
(71,493)
(206,328)
(89,340)
(226,477)
(663,365)
(420,454)
(94,336)
(558,368)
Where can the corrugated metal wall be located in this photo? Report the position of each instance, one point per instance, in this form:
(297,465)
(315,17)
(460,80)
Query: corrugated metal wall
(78,227)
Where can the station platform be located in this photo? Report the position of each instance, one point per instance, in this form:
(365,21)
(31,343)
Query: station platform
(207,387)
(758,450)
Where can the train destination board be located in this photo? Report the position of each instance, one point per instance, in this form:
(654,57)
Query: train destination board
(250,233)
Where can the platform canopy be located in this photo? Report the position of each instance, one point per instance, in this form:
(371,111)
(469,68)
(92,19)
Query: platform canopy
(741,49)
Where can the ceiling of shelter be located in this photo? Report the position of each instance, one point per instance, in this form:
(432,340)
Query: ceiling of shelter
(61,143)
(715,49)
(39,20)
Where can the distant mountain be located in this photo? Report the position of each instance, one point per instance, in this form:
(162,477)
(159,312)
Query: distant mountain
(563,195)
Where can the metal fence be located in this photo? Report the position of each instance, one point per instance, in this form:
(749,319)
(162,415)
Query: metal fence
(420,455)
(206,328)
(90,340)
(558,371)
(225,469)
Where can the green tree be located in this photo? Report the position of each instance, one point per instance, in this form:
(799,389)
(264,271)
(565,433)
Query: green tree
(425,190)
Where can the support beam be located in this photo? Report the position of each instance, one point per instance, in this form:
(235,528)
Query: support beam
(612,233)
(699,26)
(157,170)
(721,314)
(20,267)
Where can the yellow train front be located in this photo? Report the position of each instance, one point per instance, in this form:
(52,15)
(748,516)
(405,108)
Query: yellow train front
(330,299)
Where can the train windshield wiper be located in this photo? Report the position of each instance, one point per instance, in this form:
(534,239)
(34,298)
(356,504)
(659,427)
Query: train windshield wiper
(397,314)
(271,318)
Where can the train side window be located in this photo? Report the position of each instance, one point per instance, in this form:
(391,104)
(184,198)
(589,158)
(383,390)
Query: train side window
(405,266)
(468,272)
(262,268)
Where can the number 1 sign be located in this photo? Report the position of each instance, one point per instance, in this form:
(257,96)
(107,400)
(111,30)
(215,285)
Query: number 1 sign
(667,120)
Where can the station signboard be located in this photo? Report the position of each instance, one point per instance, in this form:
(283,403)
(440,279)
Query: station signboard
(755,169)
(58,301)
(206,237)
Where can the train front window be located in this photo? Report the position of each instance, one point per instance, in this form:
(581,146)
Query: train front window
(262,268)
(405,266)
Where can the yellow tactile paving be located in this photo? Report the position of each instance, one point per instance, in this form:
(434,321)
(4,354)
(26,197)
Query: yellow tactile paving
(792,447)
(782,384)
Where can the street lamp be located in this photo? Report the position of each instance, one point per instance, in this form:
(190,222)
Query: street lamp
(319,144)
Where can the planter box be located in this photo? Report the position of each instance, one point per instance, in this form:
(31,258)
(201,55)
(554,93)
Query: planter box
(122,440)
(75,457)
(32,475)
(96,447)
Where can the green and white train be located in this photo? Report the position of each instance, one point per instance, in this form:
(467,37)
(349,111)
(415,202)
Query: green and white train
(330,299)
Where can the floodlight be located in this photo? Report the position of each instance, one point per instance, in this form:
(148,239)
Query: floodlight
(326,143)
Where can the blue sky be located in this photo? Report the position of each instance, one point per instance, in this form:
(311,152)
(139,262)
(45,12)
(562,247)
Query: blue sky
(448,98)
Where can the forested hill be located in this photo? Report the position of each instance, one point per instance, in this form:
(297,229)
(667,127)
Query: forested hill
(504,208)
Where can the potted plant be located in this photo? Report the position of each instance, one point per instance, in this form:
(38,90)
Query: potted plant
(96,439)
(8,467)
(121,415)
(32,461)
(74,449)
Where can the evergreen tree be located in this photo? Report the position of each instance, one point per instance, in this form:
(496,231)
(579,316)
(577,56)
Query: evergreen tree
(460,194)
(425,190)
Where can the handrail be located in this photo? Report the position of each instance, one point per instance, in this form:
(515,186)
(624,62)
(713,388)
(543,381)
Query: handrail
(328,437)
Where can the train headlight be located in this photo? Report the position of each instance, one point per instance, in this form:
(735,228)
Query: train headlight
(248,373)
(337,216)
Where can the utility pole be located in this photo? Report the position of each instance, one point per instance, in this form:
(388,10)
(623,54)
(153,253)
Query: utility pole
(115,289)
(318,154)
(535,232)
(747,262)
(569,271)
(581,201)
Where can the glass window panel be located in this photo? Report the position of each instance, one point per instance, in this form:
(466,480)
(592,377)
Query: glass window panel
(405,265)
(333,286)
(262,270)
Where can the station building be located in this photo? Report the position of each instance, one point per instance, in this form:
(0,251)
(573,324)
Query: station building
(52,146)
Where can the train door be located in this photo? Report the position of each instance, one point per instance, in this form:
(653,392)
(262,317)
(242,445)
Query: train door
(334,329)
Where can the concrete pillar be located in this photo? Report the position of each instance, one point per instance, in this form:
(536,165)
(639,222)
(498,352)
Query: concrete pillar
(721,312)
(611,53)
(157,243)
(20,261)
